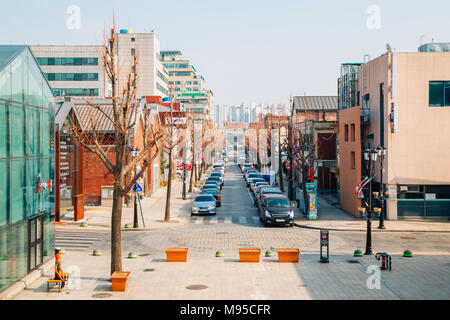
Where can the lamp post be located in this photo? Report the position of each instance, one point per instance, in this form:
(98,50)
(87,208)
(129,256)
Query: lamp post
(134,154)
(382,195)
(370,156)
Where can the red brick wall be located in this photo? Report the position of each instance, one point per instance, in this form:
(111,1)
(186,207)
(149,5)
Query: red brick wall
(95,176)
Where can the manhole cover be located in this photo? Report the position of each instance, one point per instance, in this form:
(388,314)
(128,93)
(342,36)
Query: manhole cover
(407,238)
(149,270)
(144,255)
(197,287)
(101,295)
(352,261)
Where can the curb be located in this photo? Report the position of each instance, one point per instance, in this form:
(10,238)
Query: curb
(26,281)
(373,229)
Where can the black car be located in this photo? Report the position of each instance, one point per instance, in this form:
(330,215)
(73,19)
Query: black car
(217,174)
(214,192)
(265,191)
(276,210)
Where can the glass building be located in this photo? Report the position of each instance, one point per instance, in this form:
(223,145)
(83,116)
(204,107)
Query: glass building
(26,165)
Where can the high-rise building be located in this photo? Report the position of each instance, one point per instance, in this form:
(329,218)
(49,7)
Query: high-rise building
(188,86)
(78,71)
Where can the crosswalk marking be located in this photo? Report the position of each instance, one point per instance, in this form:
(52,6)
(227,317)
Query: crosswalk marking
(76,240)
(209,220)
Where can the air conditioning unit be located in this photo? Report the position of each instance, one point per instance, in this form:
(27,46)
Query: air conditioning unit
(403,188)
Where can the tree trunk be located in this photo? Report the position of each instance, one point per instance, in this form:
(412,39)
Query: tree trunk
(169,189)
(305,194)
(116,235)
(280,164)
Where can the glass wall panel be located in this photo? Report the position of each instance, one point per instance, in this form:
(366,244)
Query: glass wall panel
(4,129)
(436,94)
(18,190)
(49,235)
(34,83)
(19,78)
(4,183)
(17,130)
(32,197)
(5,83)
(45,133)
(32,131)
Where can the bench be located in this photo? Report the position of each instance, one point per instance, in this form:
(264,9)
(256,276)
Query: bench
(57,281)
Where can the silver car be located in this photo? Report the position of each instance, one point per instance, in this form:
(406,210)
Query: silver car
(204,204)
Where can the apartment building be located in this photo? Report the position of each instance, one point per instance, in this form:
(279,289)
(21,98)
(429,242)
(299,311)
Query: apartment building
(188,87)
(77,71)
(400,101)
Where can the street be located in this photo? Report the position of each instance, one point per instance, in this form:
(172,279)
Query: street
(237,225)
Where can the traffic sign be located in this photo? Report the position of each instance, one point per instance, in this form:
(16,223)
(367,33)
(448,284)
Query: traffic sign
(137,188)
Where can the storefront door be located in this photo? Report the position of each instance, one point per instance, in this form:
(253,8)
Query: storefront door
(35,242)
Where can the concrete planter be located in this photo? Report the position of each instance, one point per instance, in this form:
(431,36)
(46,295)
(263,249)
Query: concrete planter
(288,254)
(177,254)
(249,255)
(119,280)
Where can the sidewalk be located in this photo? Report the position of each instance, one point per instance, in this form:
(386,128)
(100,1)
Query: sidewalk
(331,217)
(153,209)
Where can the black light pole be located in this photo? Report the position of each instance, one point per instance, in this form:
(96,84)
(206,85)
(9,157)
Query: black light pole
(370,156)
(184,173)
(381,153)
(134,152)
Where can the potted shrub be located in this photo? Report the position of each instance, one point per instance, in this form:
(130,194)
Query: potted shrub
(177,254)
(288,254)
(119,280)
(249,254)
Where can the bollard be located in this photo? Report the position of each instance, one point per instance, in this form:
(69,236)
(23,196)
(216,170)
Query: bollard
(407,253)
(324,242)
(268,253)
(357,253)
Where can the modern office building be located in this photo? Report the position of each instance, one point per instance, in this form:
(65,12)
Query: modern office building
(73,70)
(26,165)
(400,101)
(78,71)
(188,86)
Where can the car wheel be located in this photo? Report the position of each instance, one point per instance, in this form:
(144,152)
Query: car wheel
(291,224)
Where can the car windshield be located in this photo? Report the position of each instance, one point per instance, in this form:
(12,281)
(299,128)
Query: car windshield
(254,181)
(277,203)
(258,184)
(204,198)
(211,191)
(216,174)
(213,179)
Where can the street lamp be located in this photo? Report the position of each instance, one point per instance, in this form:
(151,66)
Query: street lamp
(134,154)
(382,195)
(370,156)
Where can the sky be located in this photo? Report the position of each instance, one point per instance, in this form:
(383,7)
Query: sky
(247,50)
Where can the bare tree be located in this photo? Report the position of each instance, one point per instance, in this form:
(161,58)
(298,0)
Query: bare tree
(170,140)
(123,114)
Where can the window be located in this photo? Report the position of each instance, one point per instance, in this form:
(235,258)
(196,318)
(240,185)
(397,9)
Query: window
(346,132)
(439,93)
(133,39)
(67,61)
(353,160)
(133,51)
(352,131)
(71,76)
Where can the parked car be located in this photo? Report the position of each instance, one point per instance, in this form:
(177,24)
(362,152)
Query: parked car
(216,193)
(218,174)
(211,184)
(204,204)
(253,181)
(275,209)
(217,179)
(263,190)
(257,185)
(252,175)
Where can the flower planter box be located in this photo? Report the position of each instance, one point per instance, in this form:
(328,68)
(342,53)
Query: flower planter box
(119,280)
(249,255)
(176,254)
(288,254)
